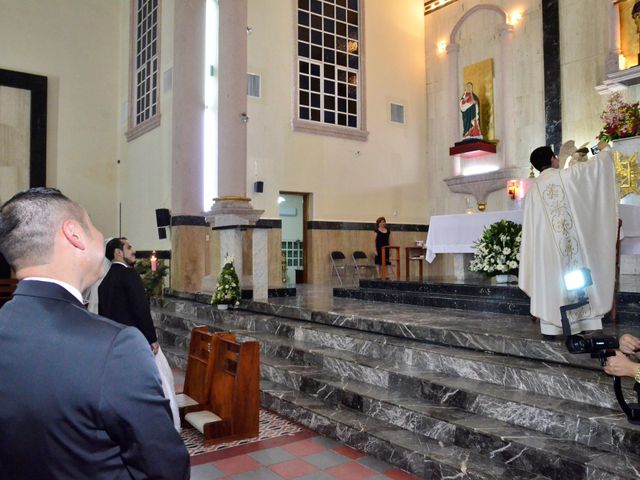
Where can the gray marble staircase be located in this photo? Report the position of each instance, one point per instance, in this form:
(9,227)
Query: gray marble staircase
(450,408)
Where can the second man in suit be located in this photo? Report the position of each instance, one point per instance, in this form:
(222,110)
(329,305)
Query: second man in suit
(121,294)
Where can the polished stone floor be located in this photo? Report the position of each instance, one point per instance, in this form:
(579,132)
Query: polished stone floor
(320,298)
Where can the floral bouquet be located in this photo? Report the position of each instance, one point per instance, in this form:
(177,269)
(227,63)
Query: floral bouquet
(228,289)
(621,120)
(497,252)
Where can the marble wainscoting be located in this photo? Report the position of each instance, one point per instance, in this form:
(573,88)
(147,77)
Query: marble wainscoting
(436,410)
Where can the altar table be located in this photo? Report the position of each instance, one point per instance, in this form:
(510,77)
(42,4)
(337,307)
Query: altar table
(458,233)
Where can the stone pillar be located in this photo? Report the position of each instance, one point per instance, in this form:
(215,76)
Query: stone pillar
(188,230)
(232,212)
(613,59)
(260,264)
(232,101)
(506,97)
(455,133)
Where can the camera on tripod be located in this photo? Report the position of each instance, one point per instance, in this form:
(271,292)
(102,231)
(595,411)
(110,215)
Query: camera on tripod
(599,346)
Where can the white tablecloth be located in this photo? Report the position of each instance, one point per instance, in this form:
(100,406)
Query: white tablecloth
(457,233)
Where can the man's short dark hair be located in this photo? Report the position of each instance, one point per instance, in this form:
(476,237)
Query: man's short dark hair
(113,245)
(541,158)
(28,225)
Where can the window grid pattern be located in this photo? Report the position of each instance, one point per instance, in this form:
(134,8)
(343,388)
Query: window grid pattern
(146,64)
(329,61)
(292,252)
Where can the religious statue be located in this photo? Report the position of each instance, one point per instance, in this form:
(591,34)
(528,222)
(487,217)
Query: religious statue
(470,108)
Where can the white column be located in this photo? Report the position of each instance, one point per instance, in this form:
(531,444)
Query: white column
(455,132)
(260,264)
(231,244)
(506,98)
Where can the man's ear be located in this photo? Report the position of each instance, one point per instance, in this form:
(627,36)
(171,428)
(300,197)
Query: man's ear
(74,234)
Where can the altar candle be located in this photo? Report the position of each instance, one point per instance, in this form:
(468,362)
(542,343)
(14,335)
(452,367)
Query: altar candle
(154,262)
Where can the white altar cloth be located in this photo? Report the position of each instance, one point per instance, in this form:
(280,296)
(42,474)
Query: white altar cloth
(458,233)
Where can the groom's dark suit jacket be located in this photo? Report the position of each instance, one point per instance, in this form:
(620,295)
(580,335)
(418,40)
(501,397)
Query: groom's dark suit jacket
(80,395)
(122,298)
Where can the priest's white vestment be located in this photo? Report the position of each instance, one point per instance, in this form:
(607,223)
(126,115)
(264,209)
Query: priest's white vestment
(570,221)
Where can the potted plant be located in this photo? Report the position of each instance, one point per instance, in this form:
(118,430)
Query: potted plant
(227,290)
(497,251)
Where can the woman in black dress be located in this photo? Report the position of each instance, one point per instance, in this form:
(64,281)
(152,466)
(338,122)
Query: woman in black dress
(382,240)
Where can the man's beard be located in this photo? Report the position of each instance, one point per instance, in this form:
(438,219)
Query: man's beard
(129,262)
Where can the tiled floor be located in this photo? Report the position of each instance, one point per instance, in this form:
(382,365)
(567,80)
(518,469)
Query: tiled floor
(302,456)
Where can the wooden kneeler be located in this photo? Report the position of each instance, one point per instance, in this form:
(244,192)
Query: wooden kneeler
(200,364)
(232,407)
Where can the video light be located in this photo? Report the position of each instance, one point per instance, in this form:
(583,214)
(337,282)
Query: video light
(578,279)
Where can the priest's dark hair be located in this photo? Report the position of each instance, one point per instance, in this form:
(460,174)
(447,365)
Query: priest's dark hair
(28,224)
(541,158)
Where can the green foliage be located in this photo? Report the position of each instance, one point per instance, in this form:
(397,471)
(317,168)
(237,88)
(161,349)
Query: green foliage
(497,252)
(152,281)
(228,288)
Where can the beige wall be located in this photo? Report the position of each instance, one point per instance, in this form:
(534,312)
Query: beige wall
(144,172)
(350,180)
(479,39)
(75,44)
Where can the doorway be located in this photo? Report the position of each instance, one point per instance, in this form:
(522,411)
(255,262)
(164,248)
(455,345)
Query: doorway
(293,209)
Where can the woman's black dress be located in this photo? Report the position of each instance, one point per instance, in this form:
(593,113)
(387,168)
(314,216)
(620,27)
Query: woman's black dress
(382,240)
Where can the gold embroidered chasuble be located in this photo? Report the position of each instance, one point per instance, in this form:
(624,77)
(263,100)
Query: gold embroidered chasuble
(570,221)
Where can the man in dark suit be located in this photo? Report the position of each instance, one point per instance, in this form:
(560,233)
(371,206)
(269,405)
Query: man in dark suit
(121,295)
(80,395)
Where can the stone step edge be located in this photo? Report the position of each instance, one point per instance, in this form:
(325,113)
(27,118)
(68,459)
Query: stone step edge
(565,371)
(339,429)
(436,295)
(517,347)
(592,415)
(524,442)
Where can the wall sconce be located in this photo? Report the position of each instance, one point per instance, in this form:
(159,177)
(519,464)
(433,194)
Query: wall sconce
(515,17)
(516,189)
(244,118)
(442,46)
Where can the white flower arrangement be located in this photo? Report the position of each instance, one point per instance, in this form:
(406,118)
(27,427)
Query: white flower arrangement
(497,252)
(228,289)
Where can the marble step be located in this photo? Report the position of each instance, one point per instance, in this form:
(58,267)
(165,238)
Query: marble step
(437,300)
(376,353)
(484,331)
(503,291)
(438,388)
(546,414)
(555,458)
(424,457)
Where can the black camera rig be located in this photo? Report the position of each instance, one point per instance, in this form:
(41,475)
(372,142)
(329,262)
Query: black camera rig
(601,347)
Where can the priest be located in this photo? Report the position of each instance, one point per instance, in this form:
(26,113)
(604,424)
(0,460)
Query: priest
(570,222)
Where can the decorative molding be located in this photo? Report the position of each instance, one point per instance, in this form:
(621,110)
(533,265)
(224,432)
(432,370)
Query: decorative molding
(319,128)
(160,254)
(188,221)
(367,226)
(431,6)
(619,80)
(470,12)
